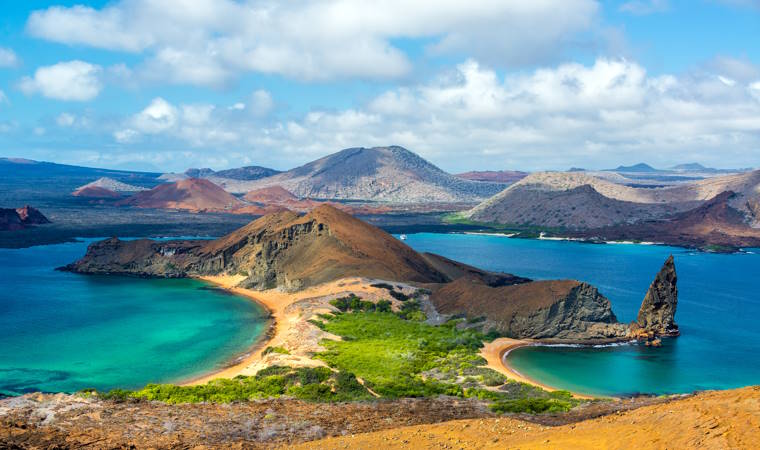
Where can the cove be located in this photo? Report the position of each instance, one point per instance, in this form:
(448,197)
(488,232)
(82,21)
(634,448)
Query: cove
(717,312)
(62,332)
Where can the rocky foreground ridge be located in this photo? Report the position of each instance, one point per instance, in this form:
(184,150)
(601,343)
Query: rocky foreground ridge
(291,252)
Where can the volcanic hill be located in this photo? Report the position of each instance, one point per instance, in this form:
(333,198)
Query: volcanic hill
(384,174)
(193,194)
(20,218)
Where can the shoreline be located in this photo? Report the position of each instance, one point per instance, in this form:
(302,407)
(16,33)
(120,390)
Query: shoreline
(253,353)
(495,353)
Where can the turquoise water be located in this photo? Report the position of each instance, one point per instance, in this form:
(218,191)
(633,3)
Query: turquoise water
(718,311)
(64,332)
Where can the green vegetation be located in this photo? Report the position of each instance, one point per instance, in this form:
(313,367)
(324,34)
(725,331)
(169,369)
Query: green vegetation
(407,358)
(280,350)
(354,303)
(311,384)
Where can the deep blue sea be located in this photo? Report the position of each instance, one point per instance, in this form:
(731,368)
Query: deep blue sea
(64,332)
(718,312)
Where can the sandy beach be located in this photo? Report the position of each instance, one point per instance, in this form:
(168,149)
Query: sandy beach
(290,328)
(494,353)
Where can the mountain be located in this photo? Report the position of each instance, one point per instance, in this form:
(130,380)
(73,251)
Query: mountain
(20,218)
(95,192)
(247,173)
(576,200)
(636,168)
(500,176)
(575,207)
(291,252)
(691,167)
(36,182)
(111,185)
(191,194)
(198,173)
(713,225)
(383,174)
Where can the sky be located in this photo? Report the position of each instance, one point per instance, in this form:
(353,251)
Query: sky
(479,85)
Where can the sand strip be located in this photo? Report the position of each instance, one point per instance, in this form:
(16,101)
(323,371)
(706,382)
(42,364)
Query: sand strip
(494,353)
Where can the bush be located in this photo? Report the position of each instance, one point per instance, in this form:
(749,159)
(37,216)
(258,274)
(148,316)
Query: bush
(280,350)
(531,405)
(400,296)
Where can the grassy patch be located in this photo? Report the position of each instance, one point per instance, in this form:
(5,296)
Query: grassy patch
(406,358)
(280,350)
(312,384)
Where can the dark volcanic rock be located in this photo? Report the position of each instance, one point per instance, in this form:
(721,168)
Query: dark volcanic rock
(658,309)
(20,218)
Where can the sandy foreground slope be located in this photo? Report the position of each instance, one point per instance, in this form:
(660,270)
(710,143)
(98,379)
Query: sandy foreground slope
(710,420)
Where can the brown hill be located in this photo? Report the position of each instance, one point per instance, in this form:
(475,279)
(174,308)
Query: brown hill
(715,223)
(279,250)
(272,194)
(498,176)
(573,208)
(95,192)
(385,174)
(192,194)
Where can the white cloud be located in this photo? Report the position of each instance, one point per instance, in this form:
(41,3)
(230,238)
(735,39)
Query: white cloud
(71,80)
(644,7)
(8,58)
(210,42)
(261,103)
(605,114)
(159,116)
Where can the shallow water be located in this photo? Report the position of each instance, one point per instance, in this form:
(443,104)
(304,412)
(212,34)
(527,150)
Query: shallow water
(718,310)
(65,332)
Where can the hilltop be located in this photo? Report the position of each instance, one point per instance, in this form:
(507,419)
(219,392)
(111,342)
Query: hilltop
(383,174)
(192,194)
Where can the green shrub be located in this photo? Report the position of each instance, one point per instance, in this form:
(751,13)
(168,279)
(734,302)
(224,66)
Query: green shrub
(280,350)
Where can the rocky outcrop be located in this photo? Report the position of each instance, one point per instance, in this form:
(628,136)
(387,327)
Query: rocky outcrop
(658,309)
(563,310)
(20,218)
(559,310)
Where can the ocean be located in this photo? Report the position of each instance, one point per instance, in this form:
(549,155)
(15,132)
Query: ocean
(718,310)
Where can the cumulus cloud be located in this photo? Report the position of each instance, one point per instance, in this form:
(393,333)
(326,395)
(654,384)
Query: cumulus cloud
(71,80)
(608,112)
(209,42)
(8,58)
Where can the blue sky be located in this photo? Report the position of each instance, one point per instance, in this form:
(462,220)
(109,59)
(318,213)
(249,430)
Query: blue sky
(487,85)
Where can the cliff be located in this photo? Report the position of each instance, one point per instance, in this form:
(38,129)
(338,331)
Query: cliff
(658,309)
(559,310)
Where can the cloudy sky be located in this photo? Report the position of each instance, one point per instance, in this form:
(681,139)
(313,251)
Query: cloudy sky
(482,84)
